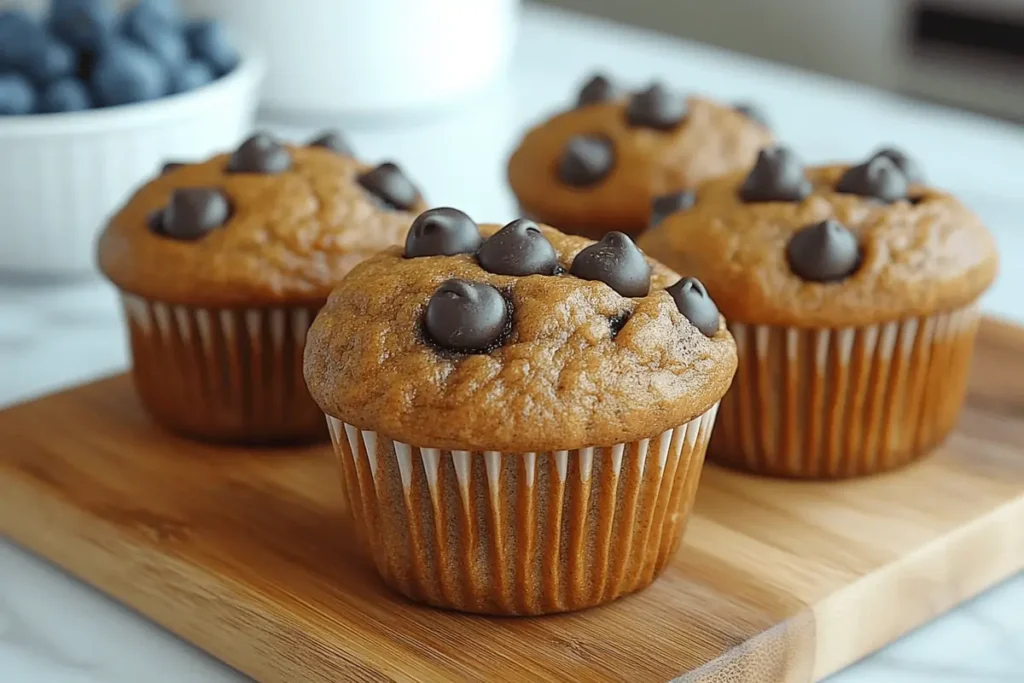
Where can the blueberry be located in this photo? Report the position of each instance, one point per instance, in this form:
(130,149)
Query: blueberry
(167,11)
(16,95)
(191,76)
(126,73)
(21,39)
(156,35)
(54,60)
(68,94)
(209,42)
(84,24)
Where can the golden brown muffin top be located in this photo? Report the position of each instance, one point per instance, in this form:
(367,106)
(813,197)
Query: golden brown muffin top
(283,227)
(886,247)
(644,156)
(573,363)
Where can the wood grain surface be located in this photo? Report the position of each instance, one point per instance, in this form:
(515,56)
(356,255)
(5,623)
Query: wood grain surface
(245,553)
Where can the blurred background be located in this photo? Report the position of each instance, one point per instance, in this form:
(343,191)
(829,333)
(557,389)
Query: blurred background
(967,53)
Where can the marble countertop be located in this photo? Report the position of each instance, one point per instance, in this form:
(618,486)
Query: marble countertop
(54,629)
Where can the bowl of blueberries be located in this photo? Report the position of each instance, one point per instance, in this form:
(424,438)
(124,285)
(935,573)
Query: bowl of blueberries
(95,96)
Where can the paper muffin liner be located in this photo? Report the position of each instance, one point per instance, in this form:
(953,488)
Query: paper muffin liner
(521,533)
(831,403)
(224,374)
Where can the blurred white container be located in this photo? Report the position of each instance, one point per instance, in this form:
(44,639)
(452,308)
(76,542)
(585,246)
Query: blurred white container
(62,175)
(367,58)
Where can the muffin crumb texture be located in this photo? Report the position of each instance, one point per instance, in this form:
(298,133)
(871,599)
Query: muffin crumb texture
(920,250)
(599,166)
(580,364)
(295,228)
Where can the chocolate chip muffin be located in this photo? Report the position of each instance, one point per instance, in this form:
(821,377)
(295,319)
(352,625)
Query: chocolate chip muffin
(520,416)
(852,293)
(599,166)
(222,266)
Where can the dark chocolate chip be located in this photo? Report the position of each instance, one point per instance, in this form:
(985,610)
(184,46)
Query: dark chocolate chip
(469,317)
(519,248)
(598,89)
(656,107)
(617,262)
(334,141)
(777,176)
(693,302)
(261,153)
(390,187)
(170,166)
(442,232)
(911,169)
(667,204)
(617,322)
(823,252)
(155,221)
(753,113)
(193,212)
(586,160)
(879,178)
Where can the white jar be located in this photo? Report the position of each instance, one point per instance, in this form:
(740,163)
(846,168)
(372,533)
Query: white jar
(368,58)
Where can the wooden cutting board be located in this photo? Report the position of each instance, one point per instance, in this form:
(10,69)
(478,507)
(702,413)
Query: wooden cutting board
(245,553)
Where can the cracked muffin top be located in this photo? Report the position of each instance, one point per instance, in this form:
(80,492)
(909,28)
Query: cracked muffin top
(828,246)
(270,223)
(599,166)
(516,339)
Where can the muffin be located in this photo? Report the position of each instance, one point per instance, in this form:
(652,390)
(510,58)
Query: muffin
(852,294)
(223,265)
(520,416)
(599,166)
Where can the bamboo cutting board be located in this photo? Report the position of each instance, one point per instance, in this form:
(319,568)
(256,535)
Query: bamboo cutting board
(245,554)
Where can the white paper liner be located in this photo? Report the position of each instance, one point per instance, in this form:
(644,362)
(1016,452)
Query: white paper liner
(521,533)
(828,403)
(233,374)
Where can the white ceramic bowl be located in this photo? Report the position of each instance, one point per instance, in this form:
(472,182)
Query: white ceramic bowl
(62,175)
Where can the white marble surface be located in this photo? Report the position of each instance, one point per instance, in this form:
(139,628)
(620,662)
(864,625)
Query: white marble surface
(54,629)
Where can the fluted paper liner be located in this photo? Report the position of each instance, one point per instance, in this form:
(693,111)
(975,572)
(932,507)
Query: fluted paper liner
(521,533)
(830,403)
(224,374)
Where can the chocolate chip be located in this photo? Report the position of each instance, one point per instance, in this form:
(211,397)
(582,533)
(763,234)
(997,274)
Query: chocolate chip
(911,169)
(879,178)
(390,187)
(469,317)
(586,160)
(334,141)
(693,302)
(617,262)
(777,176)
(753,113)
(823,252)
(519,248)
(667,204)
(442,232)
(261,153)
(656,107)
(155,221)
(170,166)
(617,322)
(598,89)
(193,212)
